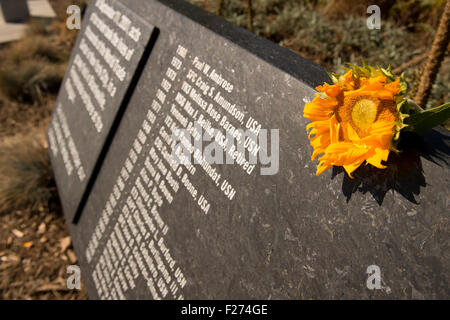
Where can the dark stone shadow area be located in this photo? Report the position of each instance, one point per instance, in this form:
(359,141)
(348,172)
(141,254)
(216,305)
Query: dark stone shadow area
(404,172)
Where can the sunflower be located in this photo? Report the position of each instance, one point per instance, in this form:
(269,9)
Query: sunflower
(357,119)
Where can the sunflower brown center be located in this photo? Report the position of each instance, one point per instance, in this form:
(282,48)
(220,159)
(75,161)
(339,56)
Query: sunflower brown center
(364,113)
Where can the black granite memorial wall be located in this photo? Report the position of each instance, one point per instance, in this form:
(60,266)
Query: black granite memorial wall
(263,226)
(105,64)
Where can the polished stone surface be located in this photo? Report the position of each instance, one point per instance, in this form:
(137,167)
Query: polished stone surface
(147,231)
(95,90)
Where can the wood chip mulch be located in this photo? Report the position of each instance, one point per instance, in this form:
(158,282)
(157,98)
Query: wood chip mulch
(35,251)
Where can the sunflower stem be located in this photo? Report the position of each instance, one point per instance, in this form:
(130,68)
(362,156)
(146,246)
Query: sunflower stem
(219,7)
(435,57)
(250,15)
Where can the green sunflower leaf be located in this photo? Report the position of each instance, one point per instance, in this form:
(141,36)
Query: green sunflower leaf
(427,119)
(334,77)
(409,107)
(387,73)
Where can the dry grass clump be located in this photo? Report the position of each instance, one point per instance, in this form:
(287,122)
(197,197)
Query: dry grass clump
(26,177)
(29,80)
(34,47)
(32,68)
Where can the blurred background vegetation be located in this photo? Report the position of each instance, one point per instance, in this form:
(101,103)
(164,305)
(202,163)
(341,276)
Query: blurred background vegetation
(334,32)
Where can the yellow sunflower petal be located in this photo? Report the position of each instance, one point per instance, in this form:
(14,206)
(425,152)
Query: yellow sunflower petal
(322,167)
(344,153)
(380,135)
(331,90)
(352,135)
(394,87)
(319,109)
(352,167)
(348,155)
(380,155)
(318,127)
(320,145)
(334,130)
(349,82)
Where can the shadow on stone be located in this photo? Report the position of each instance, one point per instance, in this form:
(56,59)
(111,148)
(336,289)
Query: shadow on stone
(404,172)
